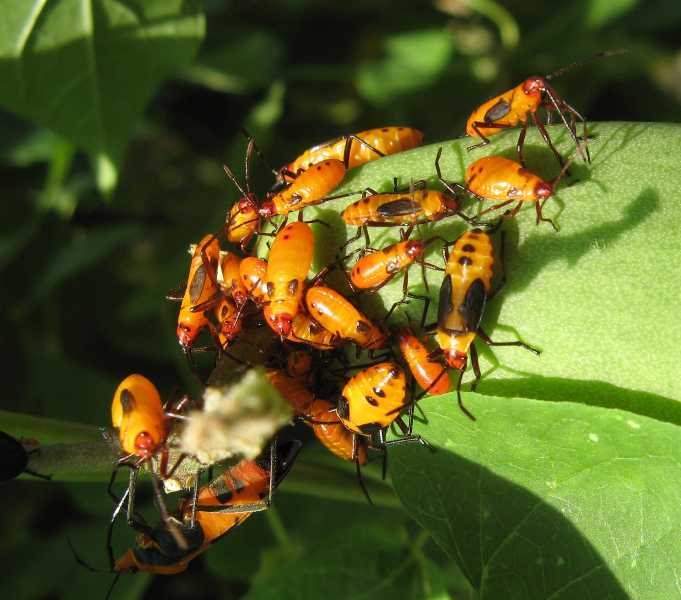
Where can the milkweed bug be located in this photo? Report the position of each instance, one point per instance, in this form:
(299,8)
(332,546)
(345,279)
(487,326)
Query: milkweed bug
(430,375)
(338,315)
(214,510)
(202,290)
(506,181)
(354,149)
(253,273)
(288,263)
(466,286)
(310,187)
(517,105)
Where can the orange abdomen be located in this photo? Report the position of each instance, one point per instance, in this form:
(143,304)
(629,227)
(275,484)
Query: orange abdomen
(289,261)
(374,269)
(308,188)
(306,330)
(137,413)
(292,389)
(507,110)
(243,220)
(253,273)
(231,279)
(341,318)
(431,376)
(387,140)
(246,483)
(331,432)
(502,179)
(372,399)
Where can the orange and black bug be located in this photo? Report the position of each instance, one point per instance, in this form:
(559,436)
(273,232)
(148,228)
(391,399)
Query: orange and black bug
(214,511)
(371,401)
(430,375)
(354,149)
(465,289)
(202,291)
(142,424)
(517,105)
(339,316)
(15,457)
(138,415)
(506,181)
(377,267)
(288,263)
(416,206)
(310,187)
(373,398)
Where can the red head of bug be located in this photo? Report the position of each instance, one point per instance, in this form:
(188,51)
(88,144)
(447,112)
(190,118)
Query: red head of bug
(534,86)
(145,446)
(415,248)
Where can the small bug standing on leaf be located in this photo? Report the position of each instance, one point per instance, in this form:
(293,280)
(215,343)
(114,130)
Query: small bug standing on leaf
(519,104)
(506,181)
(466,287)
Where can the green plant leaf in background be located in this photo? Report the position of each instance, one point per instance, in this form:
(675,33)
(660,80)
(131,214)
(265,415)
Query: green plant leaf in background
(412,61)
(87,69)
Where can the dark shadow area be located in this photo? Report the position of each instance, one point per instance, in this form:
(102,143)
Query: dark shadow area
(592,393)
(508,542)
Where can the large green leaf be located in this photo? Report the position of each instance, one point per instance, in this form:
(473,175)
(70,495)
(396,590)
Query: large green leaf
(548,500)
(566,486)
(87,68)
(598,297)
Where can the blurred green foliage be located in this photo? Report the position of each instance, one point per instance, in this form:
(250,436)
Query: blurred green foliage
(84,273)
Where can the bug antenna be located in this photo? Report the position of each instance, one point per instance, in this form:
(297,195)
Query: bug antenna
(579,63)
(80,561)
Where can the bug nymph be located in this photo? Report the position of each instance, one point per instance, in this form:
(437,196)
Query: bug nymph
(517,105)
(289,261)
(354,149)
(466,286)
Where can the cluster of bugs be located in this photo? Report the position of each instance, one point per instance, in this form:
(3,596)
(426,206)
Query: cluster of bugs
(349,376)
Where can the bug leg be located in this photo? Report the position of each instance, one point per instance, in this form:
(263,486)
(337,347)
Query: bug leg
(521,143)
(485,140)
(355,458)
(485,338)
(545,135)
(169,521)
(476,367)
(540,217)
(458,395)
